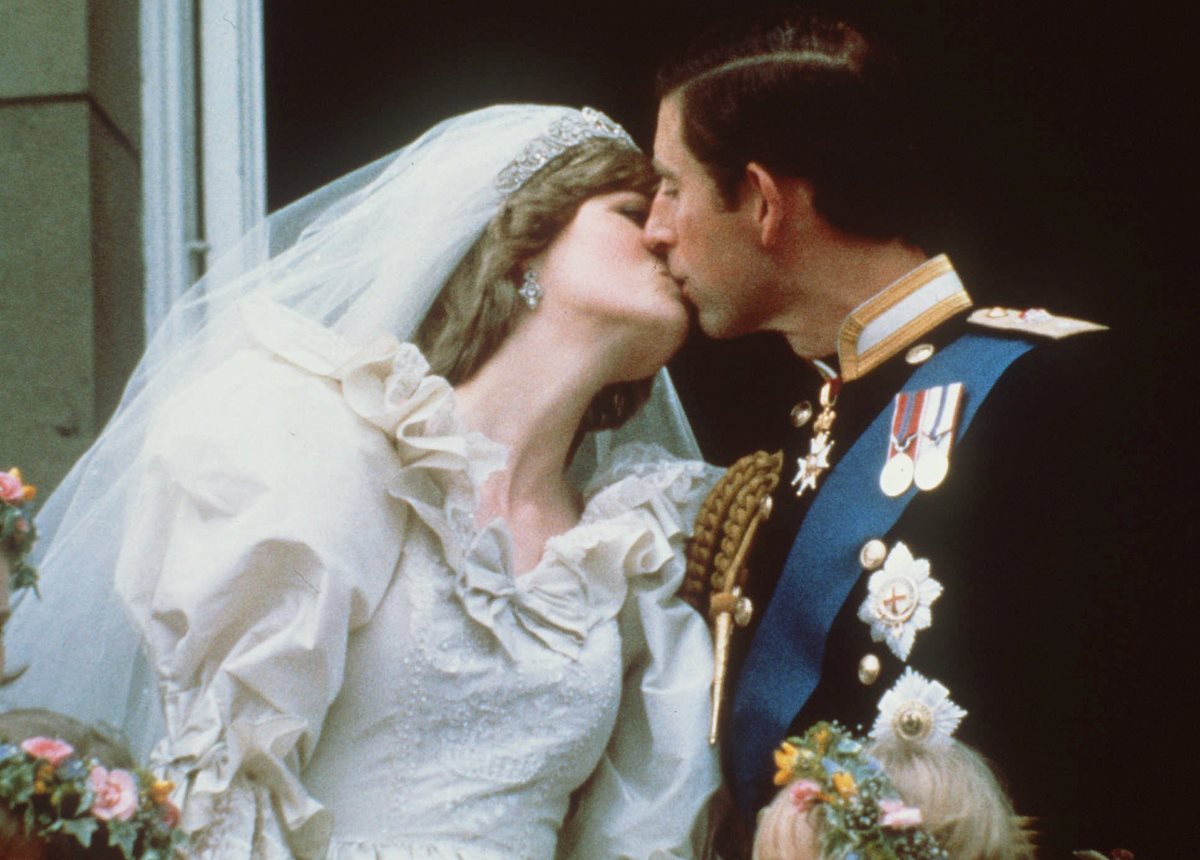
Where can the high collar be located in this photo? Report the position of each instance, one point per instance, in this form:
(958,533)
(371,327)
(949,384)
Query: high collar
(898,314)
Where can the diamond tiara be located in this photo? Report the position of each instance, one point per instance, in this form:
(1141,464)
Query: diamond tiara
(564,133)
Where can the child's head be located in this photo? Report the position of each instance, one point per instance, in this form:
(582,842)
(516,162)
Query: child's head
(934,800)
(962,804)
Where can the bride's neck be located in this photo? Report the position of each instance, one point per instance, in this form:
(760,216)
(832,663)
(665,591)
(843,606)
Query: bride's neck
(531,396)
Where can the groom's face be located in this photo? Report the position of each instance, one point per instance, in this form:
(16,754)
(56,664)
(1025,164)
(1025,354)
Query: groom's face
(711,249)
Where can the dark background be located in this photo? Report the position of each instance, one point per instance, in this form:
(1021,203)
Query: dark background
(1068,124)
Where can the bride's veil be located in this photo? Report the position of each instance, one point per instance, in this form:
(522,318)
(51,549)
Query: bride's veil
(364,255)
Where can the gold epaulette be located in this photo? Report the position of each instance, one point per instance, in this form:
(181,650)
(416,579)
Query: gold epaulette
(717,551)
(1033,321)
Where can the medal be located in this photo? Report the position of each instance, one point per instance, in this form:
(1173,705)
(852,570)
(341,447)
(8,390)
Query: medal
(898,469)
(937,436)
(931,470)
(810,467)
(897,475)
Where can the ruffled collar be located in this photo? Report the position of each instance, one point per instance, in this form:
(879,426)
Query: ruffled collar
(632,525)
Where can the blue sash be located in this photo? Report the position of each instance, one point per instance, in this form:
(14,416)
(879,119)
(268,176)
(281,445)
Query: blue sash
(783,666)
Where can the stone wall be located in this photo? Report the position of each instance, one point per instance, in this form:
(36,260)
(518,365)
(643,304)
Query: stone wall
(70,226)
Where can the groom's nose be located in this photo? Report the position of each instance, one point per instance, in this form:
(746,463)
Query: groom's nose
(658,235)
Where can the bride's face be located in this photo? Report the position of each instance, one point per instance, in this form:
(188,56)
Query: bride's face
(598,270)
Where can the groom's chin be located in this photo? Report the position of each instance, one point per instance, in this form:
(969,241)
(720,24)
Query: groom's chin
(717,323)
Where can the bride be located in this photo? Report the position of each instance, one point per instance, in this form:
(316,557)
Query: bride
(384,618)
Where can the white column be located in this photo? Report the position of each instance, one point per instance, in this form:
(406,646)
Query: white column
(204,137)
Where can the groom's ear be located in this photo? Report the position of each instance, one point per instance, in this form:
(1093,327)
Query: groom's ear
(771,200)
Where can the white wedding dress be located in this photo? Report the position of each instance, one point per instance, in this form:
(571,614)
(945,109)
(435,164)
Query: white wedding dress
(349,666)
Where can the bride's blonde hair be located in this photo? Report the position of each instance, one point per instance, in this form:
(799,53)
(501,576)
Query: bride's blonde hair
(479,304)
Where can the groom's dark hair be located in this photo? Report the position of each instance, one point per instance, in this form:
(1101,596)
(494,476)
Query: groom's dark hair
(810,97)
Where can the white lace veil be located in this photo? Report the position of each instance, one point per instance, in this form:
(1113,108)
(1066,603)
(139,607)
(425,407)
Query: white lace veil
(364,255)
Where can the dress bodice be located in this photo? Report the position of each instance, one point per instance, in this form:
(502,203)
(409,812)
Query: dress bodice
(445,732)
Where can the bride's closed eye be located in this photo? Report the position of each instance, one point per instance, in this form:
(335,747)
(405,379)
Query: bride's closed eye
(637,214)
(634,206)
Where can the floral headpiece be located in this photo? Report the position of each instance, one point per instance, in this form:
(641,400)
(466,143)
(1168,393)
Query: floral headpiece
(54,792)
(863,815)
(17,532)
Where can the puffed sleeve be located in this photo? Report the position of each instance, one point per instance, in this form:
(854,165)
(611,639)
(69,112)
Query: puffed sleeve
(262,535)
(649,795)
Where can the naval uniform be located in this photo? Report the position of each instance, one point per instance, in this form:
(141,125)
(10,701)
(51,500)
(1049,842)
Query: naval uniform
(1039,631)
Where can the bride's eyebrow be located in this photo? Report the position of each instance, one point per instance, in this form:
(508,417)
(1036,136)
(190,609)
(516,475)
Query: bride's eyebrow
(662,170)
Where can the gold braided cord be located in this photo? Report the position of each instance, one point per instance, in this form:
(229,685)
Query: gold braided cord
(724,516)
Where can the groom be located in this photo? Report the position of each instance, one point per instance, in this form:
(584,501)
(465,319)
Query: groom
(942,519)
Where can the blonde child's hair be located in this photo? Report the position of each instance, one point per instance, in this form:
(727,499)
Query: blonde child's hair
(785,832)
(962,806)
(962,803)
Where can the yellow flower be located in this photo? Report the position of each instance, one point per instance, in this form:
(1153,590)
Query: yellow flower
(785,763)
(45,773)
(160,792)
(822,739)
(844,784)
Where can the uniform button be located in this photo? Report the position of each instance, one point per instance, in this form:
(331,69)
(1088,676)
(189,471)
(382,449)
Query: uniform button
(919,354)
(873,554)
(743,611)
(801,413)
(868,670)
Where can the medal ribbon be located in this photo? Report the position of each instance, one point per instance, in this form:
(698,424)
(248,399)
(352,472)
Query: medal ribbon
(943,414)
(906,418)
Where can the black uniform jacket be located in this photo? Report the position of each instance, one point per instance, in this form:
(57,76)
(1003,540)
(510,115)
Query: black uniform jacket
(1047,631)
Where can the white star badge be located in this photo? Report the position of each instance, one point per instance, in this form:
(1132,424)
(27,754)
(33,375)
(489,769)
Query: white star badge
(898,601)
(917,710)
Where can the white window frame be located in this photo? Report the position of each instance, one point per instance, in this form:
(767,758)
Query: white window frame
(204,163)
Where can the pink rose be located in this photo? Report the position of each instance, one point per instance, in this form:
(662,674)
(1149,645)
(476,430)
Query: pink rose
(11,488)
(897,816)
(49,749)
(116,794)
(804,793)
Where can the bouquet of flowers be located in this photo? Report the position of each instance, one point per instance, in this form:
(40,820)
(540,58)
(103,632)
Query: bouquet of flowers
(53,792)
